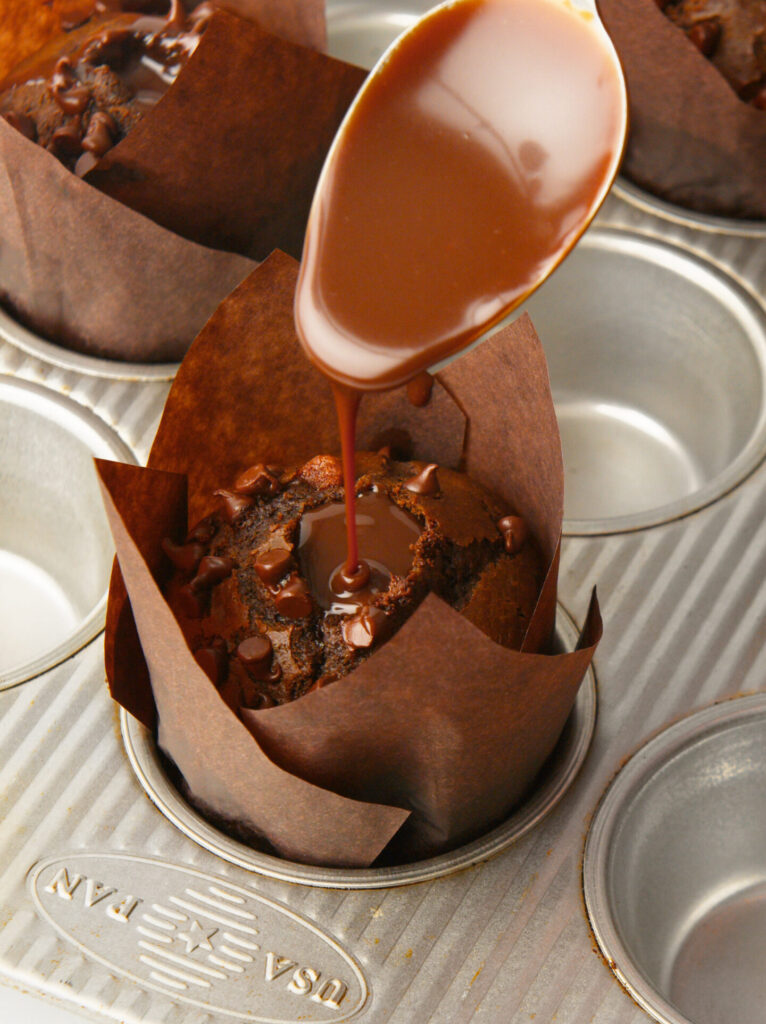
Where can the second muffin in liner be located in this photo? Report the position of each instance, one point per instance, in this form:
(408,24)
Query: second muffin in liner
(441,731)
(129,262)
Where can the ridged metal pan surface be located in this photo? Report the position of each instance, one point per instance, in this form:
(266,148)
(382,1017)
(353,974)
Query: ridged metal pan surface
(504,939)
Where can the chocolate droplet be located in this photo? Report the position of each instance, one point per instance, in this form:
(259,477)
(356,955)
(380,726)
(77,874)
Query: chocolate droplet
(293,600)
(515,532)
(233,504)
(257,480)
(184,556)
(212,569)
(364,628)
(214,661)
(426,482)
(256,655)
(272,565)
(351,580)
(419,389)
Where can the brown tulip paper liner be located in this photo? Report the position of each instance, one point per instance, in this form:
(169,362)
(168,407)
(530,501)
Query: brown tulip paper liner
(441,725)
(692,141)
(227,160)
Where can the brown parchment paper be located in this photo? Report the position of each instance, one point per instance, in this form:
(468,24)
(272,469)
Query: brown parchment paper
(440,722)
(692,140)
(227,160)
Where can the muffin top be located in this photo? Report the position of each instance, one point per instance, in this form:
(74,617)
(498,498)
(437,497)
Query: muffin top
(83,92)
(732,35)
(256,589)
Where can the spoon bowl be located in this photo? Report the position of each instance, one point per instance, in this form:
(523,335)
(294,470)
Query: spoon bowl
(476,154)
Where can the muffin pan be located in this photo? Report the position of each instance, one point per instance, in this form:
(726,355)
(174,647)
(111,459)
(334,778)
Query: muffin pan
(19,336)
(557,775)
(55,546)
(675,868)
(91,864)
(658,367)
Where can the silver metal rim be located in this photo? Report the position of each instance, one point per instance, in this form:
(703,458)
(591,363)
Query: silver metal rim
(38,396)
(751,314)
(648,203)
(19,336)
(556,778)
(659,750)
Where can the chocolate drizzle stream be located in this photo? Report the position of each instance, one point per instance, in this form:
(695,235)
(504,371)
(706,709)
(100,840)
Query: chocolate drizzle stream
(399,181)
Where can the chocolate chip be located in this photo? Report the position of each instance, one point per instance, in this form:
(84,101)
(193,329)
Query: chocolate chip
(67,140)
(258,701)
(272,565)
(22,124)
(257,480)
(705,35)
(234,504)
(184,556)
(190,603)
(73,100)
(110,47)
(99,138)
(364,628)
(425,483)
(515,533)
(63,75)
(293,600)
(214,661)
(85,162)
(419,389)
(256,655)
(211,570)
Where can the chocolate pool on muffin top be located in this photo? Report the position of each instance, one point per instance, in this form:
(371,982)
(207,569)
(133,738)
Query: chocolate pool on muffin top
(258,586)
(81,94)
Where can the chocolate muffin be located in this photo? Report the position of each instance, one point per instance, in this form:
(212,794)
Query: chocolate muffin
(85,91)
(256,587)
(732,35)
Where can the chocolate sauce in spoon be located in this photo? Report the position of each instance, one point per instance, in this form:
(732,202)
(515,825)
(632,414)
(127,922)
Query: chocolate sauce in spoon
(475,155)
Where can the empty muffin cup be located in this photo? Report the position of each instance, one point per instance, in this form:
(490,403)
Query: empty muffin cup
(359,31)
(554,780)
(675,868)
(55,546)
(657,360)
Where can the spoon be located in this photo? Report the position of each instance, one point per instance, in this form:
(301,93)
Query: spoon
(477,152)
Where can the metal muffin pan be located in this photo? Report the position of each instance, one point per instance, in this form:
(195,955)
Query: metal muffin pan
(555,778)
(657,360)
(55,546)
(87,856)
(675,868)
(113,369)
(648,203)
